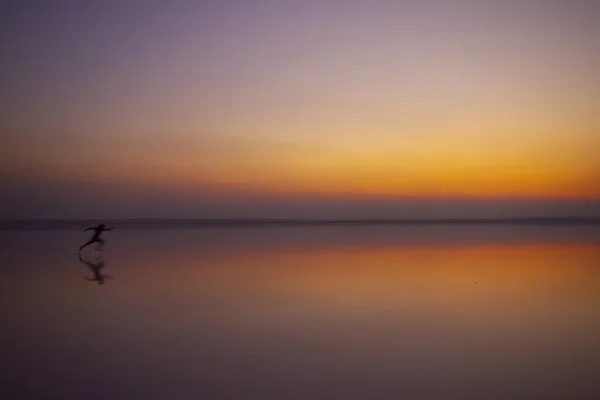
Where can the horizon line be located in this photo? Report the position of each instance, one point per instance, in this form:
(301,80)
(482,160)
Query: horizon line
(531,220)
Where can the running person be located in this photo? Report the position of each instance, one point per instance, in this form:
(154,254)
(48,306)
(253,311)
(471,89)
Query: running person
(96,237)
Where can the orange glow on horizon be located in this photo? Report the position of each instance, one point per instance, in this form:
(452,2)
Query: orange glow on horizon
(360,274)
(343,180)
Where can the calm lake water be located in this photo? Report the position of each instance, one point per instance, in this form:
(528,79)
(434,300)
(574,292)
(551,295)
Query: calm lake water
(354,312)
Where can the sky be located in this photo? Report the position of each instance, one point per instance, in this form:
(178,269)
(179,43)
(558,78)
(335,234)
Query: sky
(359,109)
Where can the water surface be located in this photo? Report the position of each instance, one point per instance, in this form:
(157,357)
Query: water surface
(350,312)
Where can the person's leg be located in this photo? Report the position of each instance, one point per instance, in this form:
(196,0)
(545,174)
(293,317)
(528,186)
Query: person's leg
(83,246)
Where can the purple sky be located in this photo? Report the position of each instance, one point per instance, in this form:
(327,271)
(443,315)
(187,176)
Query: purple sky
(299,108)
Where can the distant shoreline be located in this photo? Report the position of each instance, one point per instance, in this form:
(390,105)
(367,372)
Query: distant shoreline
(249,222)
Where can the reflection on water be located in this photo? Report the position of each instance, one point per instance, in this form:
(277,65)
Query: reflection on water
(305,313)
(96,267)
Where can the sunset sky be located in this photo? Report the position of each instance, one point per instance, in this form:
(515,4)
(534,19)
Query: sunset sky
(238,108)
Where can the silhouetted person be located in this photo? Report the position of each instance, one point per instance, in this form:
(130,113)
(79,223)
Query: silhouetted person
(98,229)
(96,270)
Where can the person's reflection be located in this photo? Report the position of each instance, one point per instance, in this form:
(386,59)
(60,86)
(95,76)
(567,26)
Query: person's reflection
(96,268)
